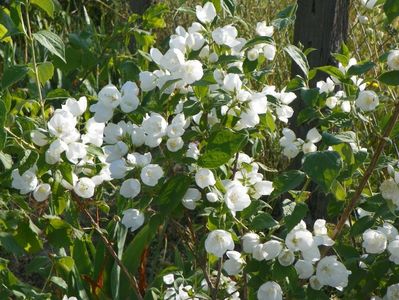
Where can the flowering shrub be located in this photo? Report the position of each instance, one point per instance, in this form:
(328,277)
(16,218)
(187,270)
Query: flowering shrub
(103,177)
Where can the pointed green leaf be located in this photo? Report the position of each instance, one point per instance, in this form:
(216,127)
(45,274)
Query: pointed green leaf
(51,42)
(46,5)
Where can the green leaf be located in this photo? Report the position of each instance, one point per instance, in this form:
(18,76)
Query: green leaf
(66,171)
(46,5)
(3,114)
(51,42)
(172,193)
(361,225)
(299,58)
(323,167)
(12,75)
(46,71)
(287,181)
(221,147)
(3,138)
(390,78)
(391,9)
(258,40)
(361,68)
(263,221)
(332,71)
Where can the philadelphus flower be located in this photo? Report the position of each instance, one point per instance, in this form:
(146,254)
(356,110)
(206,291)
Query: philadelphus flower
(289,143)
(129,97)
(304,269)
(232,83)
(313,136)
(393,249)
(374,241)
(369,3)
(76,108)
(84,187)
(250,240)
(212,197)
(191,71)
(236,197)
(42,192)
(367,100)
(206,13)
(155,125)
(190,198)
(38,138)
(392,292)
(132,219)
(286,257)
(168,279)
(390,191)
(174,144)
(234,264)
(331,272)
(263,30)
(25,183)
(393,60)
(225,36)
(270,291)
(151,174)
(389,231)
(299,238)
(130,188)
(326,86)
(204,178)
(218,242)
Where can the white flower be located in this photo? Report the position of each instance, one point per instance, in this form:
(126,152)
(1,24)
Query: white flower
(130,188)
(38,138)
(369,3)
(212,197)
(133,219)
(258,252)
(326,86)
(304,269)
(392,292)
(272,249)
(270,291)
(168,279)
(225,36)
(84,187)
(138,136)
(264,187)
(331,102)
(374,241)
(390,190)
(218,242)
(151,174)
(236,197)
(154,125)
(393,60)
(284,112)
(204,178)
(190,198)
(192,151)
(234,264)
(299,239)
(346,106)
(129,101)
(109,96)
(331,272)
(42,192)
(25,183)
(75,152)
(191,71)
(76,108)
(313,136)
(94,133)
(174,144)
(69,298)
(148,81)
(232,83)
(309,147)
(206,13)
(249,241)
(320,232)
(253,54)
(118,169)
(367,100)
(389,231)
(269,51)
(102,113)
(315,283)
(263,30)
(393,249)
(62,124)
(286,257)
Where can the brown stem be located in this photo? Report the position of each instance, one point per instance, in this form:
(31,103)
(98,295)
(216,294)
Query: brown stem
(132,279)
(355,198)
(215,291)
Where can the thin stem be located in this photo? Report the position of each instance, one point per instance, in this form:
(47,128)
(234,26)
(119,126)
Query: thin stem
(132,279)
(356,196)
(217,283)
(35,69)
